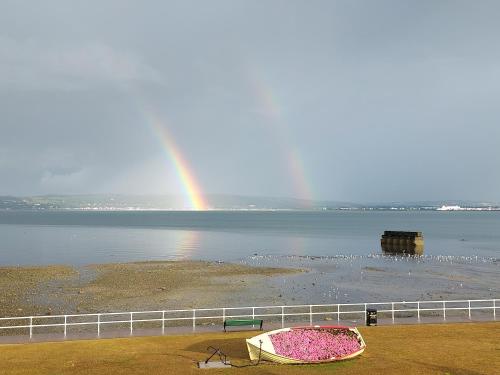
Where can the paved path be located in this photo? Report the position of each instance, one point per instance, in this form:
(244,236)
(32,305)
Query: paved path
(91,334)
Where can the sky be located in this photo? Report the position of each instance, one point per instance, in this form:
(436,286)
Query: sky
(361,101)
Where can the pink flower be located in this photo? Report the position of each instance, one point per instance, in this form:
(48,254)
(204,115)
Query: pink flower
(309,344)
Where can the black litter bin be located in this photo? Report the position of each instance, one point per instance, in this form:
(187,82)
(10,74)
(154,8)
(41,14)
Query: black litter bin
(371,317)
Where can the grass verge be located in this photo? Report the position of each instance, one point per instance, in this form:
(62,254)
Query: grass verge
(464,348)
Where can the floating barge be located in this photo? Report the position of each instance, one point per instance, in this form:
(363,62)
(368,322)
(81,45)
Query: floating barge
(401,242)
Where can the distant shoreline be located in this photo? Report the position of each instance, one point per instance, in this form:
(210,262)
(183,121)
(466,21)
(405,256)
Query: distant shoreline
(226,202)
(342,209)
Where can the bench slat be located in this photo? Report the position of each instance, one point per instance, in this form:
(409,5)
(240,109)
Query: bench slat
(243,322)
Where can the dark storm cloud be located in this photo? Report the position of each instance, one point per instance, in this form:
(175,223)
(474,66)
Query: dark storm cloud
(386,100)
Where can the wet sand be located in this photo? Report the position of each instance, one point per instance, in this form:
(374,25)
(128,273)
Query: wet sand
(61,289)
(255,281)
(359,279)
(19,286)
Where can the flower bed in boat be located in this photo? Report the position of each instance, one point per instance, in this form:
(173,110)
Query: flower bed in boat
(315,344)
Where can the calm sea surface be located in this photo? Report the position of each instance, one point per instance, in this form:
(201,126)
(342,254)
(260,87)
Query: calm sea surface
(76,237)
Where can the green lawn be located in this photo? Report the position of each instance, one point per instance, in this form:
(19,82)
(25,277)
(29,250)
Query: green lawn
(463,348)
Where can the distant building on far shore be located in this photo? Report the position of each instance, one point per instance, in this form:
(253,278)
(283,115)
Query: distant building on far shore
(400,242)
(460,208)
(449,208)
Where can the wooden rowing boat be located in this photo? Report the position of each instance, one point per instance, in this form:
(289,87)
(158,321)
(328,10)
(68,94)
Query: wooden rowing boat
(262,345)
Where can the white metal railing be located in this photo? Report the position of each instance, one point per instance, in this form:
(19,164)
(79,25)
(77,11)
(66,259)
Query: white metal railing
(194,316)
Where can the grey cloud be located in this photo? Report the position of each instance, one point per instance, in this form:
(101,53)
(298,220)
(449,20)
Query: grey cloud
(34,64)
(68,181)
(386,100)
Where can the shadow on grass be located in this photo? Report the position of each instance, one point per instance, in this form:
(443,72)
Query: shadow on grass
(233,347)
(447,370)
(236,351)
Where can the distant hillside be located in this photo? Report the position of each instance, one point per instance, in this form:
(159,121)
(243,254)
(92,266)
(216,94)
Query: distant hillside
(214,201)
(159,202)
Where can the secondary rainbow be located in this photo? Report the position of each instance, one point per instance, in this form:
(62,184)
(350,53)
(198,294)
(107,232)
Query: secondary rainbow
(182,168)
(273,112)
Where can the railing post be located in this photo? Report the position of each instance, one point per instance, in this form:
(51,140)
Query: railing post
(253,316)
(131,323)
(32,322)
(163,322)
(364,313)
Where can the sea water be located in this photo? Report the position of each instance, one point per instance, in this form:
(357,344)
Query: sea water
(83,237)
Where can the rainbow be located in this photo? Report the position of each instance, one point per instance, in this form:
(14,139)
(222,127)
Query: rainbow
(183,170)
(269,108)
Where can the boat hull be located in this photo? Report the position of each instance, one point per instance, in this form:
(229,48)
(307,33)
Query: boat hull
(261,346)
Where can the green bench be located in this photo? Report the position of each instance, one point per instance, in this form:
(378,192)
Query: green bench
(243,322)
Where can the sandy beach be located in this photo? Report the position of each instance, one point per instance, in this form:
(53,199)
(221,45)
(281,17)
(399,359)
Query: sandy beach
(61,289)
(257,281)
